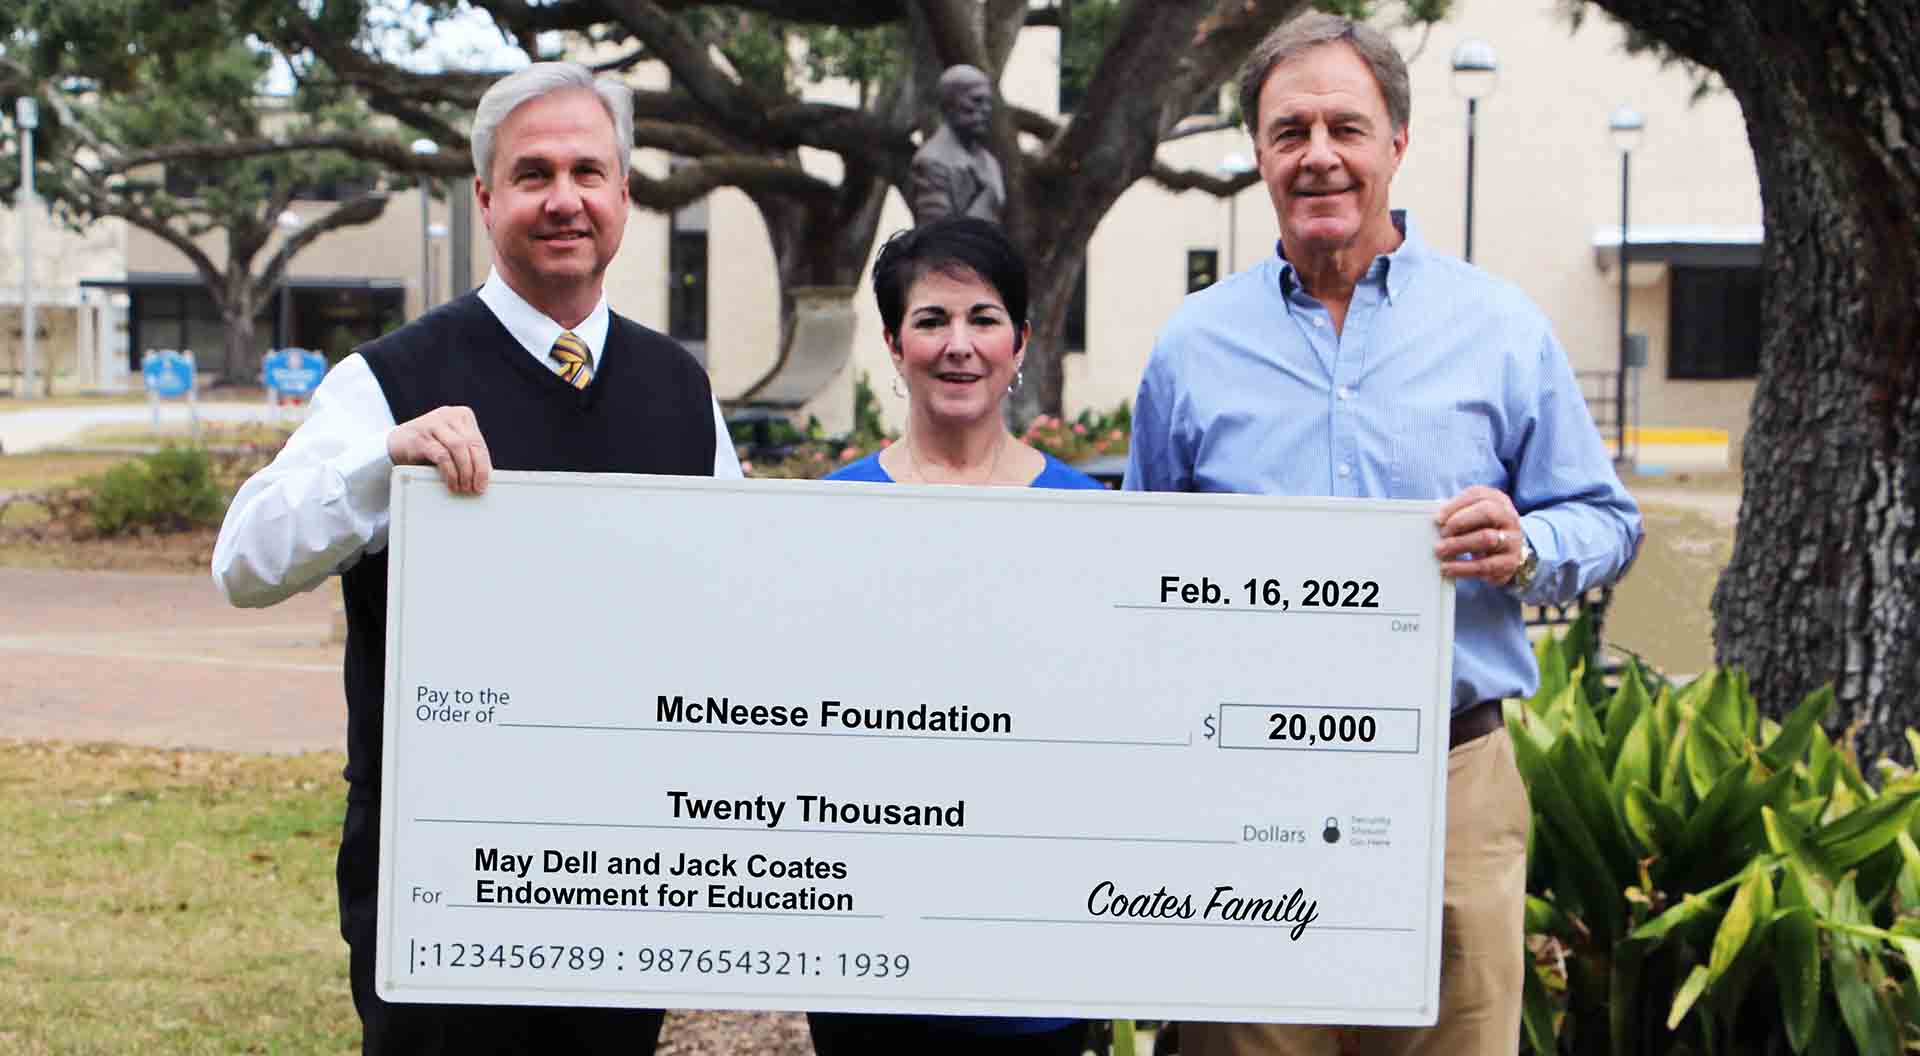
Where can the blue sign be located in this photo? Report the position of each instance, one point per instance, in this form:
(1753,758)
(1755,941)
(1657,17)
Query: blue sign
(294,372)
(167,373)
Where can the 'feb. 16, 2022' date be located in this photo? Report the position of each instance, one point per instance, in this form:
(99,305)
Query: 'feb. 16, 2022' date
(425,955)
(1272,594)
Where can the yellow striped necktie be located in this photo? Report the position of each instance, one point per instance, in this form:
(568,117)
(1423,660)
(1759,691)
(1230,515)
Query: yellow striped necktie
(576,366)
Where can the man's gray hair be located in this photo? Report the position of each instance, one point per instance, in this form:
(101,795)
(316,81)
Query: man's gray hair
(1315,30)
(545,78)
(959,77)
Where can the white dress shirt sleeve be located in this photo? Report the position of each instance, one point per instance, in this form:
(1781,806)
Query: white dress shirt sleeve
(321,504)
(726,461)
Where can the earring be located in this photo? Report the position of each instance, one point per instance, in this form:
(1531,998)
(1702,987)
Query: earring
(899,387)
(1019,378)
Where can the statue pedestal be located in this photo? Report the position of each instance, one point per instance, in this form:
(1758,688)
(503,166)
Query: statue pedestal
(817,349)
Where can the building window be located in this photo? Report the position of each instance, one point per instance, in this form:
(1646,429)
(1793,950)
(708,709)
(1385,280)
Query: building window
(687,273)
(184,319)
(1203,269)
(1714,320)
(1074,333)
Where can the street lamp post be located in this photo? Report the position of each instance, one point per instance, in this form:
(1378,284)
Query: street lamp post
(288,222)
(425,148)
(1626,127)
(26,114)
(1476,71)
(435,233)
(1231,167)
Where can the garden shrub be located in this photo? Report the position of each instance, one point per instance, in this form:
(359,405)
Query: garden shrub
(168,491)
(1702,879)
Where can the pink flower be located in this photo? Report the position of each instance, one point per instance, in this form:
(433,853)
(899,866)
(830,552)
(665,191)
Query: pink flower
(1079,430)
(819,456)
(849,452)
(1115,435)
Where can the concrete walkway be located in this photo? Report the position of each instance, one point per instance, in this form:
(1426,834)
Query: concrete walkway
(25,428)
(163,660)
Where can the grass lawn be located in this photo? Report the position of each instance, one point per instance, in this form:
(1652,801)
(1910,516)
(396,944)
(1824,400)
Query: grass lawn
(11,402)
(170,901)
(182,902)
(179,431)
(42,470)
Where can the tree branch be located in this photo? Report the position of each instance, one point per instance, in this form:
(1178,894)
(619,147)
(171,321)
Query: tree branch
(689,183)
(688,58)
(353,212)
(954,33)
(1003,21)
(1178,180)
(394,154)
(1692,28)
(105,203)
(690,141)
(1200,128)
(580,15)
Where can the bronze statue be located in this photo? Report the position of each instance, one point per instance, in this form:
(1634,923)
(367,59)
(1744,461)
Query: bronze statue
(953,175)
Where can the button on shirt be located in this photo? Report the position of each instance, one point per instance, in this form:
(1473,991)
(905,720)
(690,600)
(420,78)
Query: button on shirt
(1443,377)
(322,503)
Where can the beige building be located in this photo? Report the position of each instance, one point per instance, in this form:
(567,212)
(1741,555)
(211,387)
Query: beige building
(1546,216)
(80,332)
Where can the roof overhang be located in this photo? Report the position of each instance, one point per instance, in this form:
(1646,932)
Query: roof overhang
(148,280)
(1681,245)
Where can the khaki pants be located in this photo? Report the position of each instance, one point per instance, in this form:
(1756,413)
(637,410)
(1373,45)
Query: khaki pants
(1482,931)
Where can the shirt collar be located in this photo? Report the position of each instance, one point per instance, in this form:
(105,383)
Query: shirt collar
(1398,267)
(533,329)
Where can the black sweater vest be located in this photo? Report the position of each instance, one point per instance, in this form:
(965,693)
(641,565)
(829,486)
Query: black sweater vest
(648,410)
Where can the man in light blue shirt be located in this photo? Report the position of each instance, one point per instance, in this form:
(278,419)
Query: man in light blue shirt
(1357,361)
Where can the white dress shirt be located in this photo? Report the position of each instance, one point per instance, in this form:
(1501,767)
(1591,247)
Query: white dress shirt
(322,503)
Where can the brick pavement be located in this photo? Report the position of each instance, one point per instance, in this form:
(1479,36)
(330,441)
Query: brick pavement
(163,660)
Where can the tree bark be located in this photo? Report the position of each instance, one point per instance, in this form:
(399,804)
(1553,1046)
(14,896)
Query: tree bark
(1823,585)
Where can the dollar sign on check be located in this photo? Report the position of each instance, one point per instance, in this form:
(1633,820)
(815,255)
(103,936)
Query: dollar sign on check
(1209,721)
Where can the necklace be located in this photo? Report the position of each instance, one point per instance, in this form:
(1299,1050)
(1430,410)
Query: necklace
(993,469)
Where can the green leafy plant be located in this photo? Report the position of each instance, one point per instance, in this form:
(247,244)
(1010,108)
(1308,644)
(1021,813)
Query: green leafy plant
(170,490)
(1705,880)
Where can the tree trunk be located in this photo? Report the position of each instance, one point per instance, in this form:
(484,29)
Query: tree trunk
(1050,294)
(1823,585)
(238,304)
(1051,225)
(242,362)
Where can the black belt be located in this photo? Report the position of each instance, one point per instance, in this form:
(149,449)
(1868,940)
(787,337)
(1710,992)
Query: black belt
(1474,723)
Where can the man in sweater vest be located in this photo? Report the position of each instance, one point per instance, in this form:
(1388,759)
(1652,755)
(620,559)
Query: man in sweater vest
(530,372)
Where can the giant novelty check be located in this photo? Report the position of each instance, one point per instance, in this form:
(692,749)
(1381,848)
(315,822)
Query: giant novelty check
(657,742)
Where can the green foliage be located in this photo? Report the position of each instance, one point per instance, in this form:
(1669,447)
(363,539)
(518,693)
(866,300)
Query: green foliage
(169,491)
(868,427)
(1087,27)
(1706,880)
(140,75)
(869,58)
(774,56)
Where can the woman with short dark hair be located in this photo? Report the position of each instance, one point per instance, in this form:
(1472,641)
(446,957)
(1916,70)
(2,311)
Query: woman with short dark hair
(953,300)
(953,305)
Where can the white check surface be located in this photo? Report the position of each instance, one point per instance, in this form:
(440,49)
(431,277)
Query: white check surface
(1158,801)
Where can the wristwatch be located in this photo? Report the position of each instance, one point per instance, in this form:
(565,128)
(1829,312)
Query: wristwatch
(1529,564)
